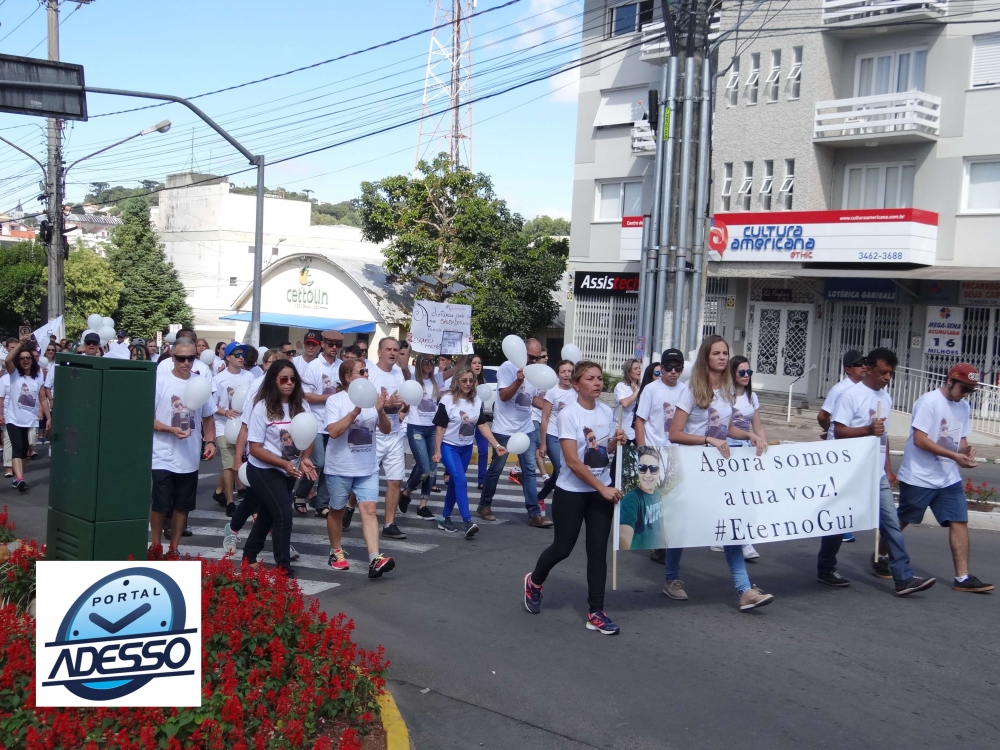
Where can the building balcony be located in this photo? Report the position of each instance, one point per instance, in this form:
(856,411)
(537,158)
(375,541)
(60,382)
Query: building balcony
(656,49)
(910,117)
(643,139)
(840,14)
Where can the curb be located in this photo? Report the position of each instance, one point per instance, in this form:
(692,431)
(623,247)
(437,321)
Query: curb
(396,735)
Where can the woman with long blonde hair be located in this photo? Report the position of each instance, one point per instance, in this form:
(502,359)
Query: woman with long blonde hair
(627,395)
(420,434)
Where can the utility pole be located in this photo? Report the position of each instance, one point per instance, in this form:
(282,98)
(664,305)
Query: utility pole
(56,288)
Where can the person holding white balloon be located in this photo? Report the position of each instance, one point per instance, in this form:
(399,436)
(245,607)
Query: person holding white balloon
(182,414)
(556,399)
(198,367)
(319,382)
(224,385)
(387,377)
(420,433)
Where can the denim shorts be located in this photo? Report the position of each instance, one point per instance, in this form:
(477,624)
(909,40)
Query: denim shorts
(947,503)
(365,489)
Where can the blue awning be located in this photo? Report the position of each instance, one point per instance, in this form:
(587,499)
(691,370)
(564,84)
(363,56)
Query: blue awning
(305,321)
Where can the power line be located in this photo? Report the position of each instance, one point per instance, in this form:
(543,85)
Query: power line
(37,8)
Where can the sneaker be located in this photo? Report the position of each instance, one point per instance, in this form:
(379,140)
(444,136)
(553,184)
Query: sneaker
(540,522)
(912,586)
(832,578)
(381,564)
(716,549)
(230,539)
(404,502)
(8,474)
(219,497)
(675,590)
(231,510)
(753,598)
(849,538)
(425,513)
(348,515)
(602,624)
(240,494)
(293,554)
(445,524)
(972,584)
(658,556)
(544,478)
(13,482)
(338,561)
(187,531)
(749,553)
(21,485)
(515,478)
(391,531)
(470,529)
(485,513)
(532,595)
(881,567)
(436,490)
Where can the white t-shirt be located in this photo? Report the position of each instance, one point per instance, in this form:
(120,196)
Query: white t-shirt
(389,382)
(218,365)
(743,411)
(459,419)
(5,393)
(858,406)
(712,422)
(252,391)
(224,386)
(656,408)
(197,368)
(169,452)
(353,453)
(514,415)
(536,413)
(591,429)
(301,364)
(273,434)
(622,391)
(559,399)
(321,379)
(946,423)
(256,371)
(422,415)
(23,398)
(830,404)
(50,380)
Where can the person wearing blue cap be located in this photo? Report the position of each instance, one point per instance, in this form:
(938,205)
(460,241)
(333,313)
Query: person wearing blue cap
(224,386)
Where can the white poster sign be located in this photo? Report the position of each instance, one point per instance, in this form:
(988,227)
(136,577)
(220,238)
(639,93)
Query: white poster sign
(54,327)
(631,241)
(944,330)
(693,497)
(441,328)
(106,632)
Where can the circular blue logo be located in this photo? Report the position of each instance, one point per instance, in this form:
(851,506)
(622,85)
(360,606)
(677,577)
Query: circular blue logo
(137,604)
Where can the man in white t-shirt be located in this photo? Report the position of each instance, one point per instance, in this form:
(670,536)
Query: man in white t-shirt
(386,376)
(864,409)
(659,400)
(198,368)
(929,476)
(224,387)
(321,379)
(310,349)
(511,414)
(177,435)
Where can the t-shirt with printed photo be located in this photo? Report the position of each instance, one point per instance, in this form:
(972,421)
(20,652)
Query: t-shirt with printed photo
(389,383)
(170,453)
(946,423)
(513,415)
(23,396)
(590,429)
(858,407)
(656,408)
(712,421)
(224,387)
(559,398)
(459,418)
(353,453)
(423,413)
(272,432)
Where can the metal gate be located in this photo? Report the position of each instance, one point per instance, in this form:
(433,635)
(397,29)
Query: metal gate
(605,329)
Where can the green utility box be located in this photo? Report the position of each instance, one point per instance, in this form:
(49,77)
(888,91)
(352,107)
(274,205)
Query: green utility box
(102,442)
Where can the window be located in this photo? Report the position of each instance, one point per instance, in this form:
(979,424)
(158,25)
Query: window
(788,184)
(232,281)
(795,74)
(986,60)
(982,191)
(618,199)
(628,18)
(733,84)
(766,185)
(890,72)
(753,79)
(774,76)
(727,185)
(621,107)
(746,189)
(879,185)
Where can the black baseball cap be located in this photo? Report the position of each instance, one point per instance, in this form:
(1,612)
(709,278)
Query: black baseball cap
(312,337)
(92,338)
(672,355)
(853,358)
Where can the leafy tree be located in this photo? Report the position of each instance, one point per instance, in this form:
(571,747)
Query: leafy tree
(102,194)
(545,226)
(345,212)
(152,297)
(22,284)
(91,287)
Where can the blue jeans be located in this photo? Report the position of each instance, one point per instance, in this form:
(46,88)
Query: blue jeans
(554,451)
(734,556)
(528,486)
(421,439)
(482,450)
(456,460)
(319,459)
(891,534)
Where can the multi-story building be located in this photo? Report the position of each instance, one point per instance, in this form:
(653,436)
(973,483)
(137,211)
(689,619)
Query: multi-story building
(856,184)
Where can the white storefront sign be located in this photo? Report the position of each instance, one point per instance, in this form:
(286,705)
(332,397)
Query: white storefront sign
(944,330)
(313,288)
(631,242)
(899,235)
(979,293)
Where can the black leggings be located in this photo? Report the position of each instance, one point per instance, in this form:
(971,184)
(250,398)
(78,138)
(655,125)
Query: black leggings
(245,508)
(20,441)
(569,511)
(274,490)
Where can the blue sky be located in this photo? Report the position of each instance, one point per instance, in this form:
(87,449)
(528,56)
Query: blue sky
(523,139)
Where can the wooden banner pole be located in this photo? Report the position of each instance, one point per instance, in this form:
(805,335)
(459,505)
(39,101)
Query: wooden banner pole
(878,415)
(614,527)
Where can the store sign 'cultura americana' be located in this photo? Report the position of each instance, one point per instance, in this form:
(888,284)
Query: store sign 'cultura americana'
(305,294)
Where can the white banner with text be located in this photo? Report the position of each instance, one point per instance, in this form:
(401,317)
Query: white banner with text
(441,328)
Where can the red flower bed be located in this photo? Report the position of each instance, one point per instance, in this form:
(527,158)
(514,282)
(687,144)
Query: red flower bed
(277,673)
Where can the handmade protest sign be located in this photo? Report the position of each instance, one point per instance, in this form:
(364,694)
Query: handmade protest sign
(441,328)
(689,496)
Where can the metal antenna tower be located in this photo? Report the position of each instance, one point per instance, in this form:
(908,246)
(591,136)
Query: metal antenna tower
(448,86)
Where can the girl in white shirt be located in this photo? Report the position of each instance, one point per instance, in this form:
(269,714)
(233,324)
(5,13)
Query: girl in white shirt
(25,401)
(420,434)
(556,399)
(746,417)
(626,394)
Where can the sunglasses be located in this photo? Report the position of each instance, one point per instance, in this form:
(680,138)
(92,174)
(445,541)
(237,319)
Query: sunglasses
(288,352)
(533,359)
(673,368)
(744,373)
(286,379)
(858,364)
(238,355)
(363,371)
(29,358)
(189,358)
(657,373)
(648,469)
(330,342)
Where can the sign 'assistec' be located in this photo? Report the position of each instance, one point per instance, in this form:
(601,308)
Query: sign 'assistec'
(600,282)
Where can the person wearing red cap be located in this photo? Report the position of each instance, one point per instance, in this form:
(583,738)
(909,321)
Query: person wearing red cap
(310,351)
(929,476)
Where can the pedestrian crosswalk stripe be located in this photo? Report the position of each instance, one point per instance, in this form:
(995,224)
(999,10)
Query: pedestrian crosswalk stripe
(313,562)
(403,521)
(311,588)
(323,539)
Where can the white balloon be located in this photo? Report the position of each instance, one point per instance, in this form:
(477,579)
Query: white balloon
(233,430)
(106,334)
(95,321)
(515,350)
(541,376)
(196,392)
(411,392)
(485,393)
(207,357)
(84,334)
(43,362)
(572,353)
(170,337)
(242,474)
(303,429)
(109,322)
(239,399)
(362,393)
(518,443)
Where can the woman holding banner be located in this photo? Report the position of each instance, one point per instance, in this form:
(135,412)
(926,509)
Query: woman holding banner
(711,389)
(584,493)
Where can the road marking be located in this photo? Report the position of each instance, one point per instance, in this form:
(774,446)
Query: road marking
(313,562)
(323,539)
(403,520)
(311,588)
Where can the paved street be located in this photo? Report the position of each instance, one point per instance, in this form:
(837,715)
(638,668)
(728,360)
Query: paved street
(819,668)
